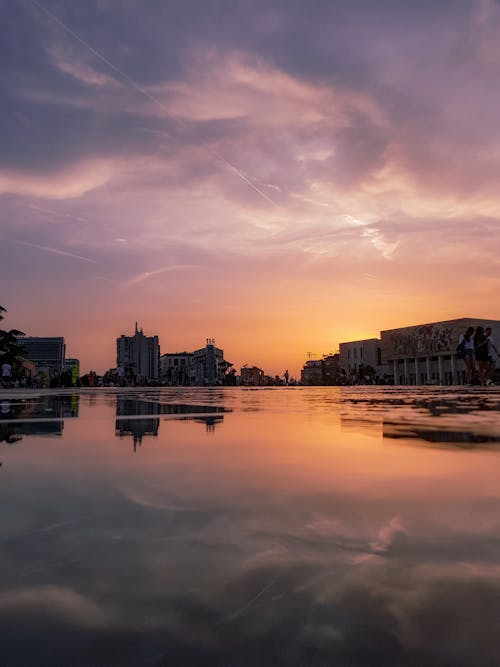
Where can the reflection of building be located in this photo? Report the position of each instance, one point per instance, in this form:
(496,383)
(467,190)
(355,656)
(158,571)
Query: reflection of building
(47,353)
(132,419)
(210,422)
(469,436)
(202,367)
(321,371)
(138,417)
(139,355)
(43,415)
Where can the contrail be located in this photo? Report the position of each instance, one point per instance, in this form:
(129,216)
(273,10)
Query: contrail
(150,97)
(56,251)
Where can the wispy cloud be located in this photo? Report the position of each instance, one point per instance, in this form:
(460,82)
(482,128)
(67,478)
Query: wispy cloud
(141,277)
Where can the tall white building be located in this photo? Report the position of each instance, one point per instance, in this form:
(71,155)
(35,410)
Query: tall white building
(139,355)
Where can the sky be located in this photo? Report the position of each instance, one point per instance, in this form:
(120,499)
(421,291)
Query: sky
(278,175)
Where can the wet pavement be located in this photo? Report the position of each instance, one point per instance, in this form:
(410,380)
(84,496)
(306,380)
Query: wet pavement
(281,526)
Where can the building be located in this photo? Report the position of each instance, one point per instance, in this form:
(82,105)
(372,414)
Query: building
(426,353)
(208,366)
(203,367)
(139,355)
(320,372)
(71,371)
(47,353)
(361,358)
(312,373)
(252,376)
(70,363)
(415,355)
(175,368)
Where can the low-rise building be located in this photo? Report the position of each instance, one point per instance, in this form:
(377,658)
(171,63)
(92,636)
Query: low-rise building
(47,353)
(325,371)
(203,367)
(175,368)
(252,376)
(362,359)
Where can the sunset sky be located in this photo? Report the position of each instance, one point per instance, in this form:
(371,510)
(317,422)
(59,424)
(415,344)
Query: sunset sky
(279,175)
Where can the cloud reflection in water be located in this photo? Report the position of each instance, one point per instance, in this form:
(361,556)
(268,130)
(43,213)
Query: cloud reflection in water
(286,538)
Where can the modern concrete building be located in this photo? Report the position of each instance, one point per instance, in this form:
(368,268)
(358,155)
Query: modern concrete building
(47,353)
(419,354)
(139,355)
(426,353)
(359,354)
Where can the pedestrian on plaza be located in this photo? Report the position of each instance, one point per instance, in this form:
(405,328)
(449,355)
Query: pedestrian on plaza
(481,354)
(465,351)
(6,374)
(492,348)
(120,371)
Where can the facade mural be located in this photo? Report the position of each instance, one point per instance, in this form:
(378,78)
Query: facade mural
(426,339)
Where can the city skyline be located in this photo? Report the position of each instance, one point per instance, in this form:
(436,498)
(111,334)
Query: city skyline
(277,176)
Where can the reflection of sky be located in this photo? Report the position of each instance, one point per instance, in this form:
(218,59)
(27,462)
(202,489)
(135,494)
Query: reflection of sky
(281,537)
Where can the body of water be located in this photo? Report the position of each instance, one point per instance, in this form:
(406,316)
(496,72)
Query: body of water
(282,526)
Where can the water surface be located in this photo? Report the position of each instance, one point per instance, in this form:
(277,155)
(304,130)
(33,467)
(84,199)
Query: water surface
(287,526)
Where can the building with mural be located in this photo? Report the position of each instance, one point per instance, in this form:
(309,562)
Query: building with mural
(417,355)
(426,353)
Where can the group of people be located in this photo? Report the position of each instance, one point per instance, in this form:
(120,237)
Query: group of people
(476,347)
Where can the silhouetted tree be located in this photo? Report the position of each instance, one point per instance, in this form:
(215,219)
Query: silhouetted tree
(11,349)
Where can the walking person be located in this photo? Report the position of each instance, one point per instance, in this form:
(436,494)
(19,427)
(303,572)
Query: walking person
(491,348)
(481,354)
(6,374)
(466,345)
